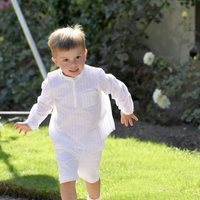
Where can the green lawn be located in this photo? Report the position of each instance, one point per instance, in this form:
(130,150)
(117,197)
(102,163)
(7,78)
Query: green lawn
(130,169)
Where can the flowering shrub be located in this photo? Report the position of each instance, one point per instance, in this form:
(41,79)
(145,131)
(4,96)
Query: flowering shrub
(181,83)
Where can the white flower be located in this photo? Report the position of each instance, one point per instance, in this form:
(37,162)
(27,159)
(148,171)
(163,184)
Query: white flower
(156,94)
(195,58)
(184,14)
(1,39)
(148,58)
(161,99)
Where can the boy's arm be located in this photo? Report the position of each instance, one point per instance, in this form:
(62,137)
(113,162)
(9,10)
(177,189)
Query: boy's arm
(39,111)
(22,127)
(128,119)
(119,92)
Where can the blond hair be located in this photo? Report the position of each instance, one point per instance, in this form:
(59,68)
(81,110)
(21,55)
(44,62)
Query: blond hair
(67,38)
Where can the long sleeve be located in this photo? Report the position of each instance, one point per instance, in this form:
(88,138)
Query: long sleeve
(118,90)
(42,108)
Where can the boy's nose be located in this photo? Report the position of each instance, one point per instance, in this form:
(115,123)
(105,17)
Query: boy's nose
(73,64)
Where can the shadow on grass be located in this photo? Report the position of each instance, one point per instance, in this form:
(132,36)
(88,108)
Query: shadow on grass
(5,157)
(31,187)
(41,187)
(180,136)
(22,186)
(26,187)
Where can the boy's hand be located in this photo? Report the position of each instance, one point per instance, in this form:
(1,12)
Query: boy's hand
(128,119)
(22,127)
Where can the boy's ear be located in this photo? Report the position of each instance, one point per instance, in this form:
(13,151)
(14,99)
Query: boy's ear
(53,60)
(86,52)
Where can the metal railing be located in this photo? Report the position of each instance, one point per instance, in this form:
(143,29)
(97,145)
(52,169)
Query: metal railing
(14,112)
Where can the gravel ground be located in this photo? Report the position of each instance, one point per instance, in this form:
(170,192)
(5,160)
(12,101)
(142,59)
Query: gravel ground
(180,136)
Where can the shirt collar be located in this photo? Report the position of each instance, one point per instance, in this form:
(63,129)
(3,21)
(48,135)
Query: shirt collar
(73,78)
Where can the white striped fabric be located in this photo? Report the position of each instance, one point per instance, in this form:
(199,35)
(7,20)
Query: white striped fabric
(81,117)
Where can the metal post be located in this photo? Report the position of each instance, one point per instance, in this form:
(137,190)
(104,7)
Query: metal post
(197,23)
(29,38)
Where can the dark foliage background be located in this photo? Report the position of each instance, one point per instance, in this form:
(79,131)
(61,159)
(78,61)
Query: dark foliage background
(116,38)
(19,76)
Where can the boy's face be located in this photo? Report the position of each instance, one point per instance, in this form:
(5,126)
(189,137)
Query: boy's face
(70,61)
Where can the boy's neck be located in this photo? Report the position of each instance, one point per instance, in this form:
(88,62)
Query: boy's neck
(67,75)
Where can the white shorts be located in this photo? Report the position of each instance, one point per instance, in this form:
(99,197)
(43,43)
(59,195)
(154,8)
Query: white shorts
(72,166)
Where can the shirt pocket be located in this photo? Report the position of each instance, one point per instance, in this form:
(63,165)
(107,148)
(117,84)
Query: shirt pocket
(89,98)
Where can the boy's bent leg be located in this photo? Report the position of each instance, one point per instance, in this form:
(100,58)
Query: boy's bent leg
(93,190)
(68,166)
(89,171)
(68,190)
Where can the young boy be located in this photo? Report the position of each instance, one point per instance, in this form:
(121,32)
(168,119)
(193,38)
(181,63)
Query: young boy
(77,95)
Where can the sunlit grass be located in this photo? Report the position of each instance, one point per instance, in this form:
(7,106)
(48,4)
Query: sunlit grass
(130,169)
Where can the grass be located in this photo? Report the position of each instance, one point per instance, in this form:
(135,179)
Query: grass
(130,169)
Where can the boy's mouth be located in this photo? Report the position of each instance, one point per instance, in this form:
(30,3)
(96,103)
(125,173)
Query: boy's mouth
(73,71)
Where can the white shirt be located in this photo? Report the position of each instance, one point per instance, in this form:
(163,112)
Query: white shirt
(81,112)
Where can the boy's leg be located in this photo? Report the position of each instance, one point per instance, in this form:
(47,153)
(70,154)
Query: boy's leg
(68,190)
(93,190)
(68,166)
(89,171)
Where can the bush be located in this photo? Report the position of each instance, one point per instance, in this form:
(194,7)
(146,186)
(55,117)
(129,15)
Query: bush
(191,94)
(180,82)
(116,38)
(20,78)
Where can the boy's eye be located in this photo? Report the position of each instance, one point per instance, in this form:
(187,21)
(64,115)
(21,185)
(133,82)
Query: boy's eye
(77,57)
(65,60)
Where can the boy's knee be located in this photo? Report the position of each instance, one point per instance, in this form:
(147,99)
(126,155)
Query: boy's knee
(89,176)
